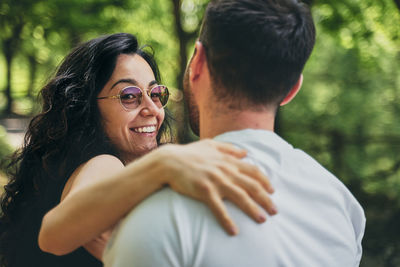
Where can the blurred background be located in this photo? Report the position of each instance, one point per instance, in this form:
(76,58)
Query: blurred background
(345,115)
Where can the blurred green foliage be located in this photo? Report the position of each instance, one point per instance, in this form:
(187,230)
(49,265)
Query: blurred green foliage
(346,115)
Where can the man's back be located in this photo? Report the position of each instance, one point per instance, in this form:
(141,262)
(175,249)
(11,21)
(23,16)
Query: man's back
(319,222)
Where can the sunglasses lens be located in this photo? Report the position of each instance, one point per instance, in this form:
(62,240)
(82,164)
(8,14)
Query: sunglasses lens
(131,97)
(159,95)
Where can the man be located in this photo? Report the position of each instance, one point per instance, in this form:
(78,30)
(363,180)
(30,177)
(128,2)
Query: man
(248,61)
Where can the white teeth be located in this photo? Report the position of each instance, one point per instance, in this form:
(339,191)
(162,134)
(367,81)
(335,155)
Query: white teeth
(148,129)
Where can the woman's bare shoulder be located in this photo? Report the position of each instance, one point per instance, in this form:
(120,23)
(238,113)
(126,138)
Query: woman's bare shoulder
(94,169)
(103,159)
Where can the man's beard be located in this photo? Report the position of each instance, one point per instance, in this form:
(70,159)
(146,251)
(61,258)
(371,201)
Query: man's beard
(191,104)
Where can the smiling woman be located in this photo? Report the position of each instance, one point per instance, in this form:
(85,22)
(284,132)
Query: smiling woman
(134,132)
(86,163)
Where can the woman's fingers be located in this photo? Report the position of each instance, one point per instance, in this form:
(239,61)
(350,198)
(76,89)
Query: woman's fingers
(257,193)
(230,149)
(254,172)
(241,199)
(217,206)
(250,185)
(246,168)
(212,171)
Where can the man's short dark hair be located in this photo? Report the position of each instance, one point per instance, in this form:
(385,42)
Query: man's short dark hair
(256,49)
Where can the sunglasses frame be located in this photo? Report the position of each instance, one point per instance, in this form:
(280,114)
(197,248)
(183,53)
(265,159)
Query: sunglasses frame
(143,92)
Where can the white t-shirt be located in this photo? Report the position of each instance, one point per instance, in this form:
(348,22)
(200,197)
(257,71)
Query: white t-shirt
(319,222)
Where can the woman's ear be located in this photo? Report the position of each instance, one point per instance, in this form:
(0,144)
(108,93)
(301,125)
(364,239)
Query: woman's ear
(293,92)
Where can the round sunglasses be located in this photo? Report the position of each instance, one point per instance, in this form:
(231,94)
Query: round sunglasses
(131,97)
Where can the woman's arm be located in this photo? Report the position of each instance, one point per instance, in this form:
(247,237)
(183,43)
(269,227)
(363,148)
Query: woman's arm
(102,191)
(97,195)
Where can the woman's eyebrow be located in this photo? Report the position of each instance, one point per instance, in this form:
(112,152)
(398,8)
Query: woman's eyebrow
(131,81)
(153,82)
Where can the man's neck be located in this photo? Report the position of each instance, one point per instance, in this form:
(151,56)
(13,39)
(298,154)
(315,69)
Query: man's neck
(219,122)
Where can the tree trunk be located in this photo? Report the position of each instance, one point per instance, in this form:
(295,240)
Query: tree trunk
(337,152)
(11,45)
(183,41)
(32,76)
(397,2)
(9,58)
(309,2)
(184,134)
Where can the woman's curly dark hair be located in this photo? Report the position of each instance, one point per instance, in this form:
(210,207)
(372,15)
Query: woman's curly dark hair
(67,133)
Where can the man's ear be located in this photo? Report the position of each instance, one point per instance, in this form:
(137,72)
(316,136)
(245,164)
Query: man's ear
(198,62)
(293,92)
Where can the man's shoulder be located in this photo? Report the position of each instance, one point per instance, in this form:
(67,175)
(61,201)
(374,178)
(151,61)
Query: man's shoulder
(165,205)
(166,223)
(167,200)
(165,211)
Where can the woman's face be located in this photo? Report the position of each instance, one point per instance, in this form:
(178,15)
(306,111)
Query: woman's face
(133,132)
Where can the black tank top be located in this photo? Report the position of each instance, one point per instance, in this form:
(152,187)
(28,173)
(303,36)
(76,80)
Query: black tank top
(26,251)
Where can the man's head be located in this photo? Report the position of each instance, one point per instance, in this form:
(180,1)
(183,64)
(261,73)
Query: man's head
(256,49)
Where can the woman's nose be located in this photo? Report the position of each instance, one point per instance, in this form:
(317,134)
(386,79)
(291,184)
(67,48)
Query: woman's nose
(148,107)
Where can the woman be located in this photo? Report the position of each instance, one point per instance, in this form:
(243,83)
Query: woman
(102,111)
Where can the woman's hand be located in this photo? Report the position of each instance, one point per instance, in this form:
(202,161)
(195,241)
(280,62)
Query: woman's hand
(211,171)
